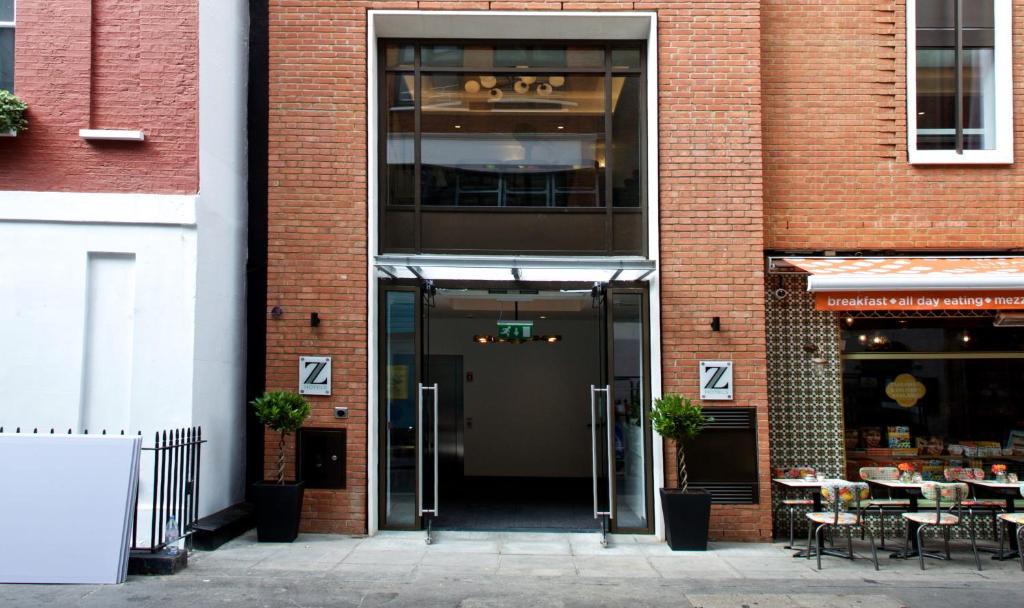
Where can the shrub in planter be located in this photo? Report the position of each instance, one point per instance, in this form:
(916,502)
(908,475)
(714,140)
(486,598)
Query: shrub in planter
(12,113)
(687,514)
(279,504)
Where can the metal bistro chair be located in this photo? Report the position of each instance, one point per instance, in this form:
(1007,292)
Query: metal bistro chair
(793,503)
(951,496)
(975,506)
(1016,519)
(882,506)
(845,499)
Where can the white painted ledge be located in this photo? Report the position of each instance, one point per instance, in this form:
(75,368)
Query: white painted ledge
(98,208)
(111,135)
(8,133)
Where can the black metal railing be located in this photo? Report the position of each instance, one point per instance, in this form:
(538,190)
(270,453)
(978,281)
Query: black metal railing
(175,484)
(176,461)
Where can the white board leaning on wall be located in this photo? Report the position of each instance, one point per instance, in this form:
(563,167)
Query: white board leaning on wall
(66,507)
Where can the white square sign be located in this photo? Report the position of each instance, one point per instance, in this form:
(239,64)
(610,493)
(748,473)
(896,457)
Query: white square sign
(716,380)
(314,375)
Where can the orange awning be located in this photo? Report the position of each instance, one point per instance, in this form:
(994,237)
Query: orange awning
(915,283)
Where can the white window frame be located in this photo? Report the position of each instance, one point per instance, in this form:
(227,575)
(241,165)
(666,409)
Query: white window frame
(1002,154)
(10,25)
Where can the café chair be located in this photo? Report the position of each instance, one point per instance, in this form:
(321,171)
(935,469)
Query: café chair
(941,494)
(792,504)
(878,505)
(844,498)
(1016,519)
(989,507)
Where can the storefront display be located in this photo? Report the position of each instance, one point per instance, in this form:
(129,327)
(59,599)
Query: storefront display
(932,393)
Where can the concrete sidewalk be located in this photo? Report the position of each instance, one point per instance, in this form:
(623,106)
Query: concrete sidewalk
(476,569)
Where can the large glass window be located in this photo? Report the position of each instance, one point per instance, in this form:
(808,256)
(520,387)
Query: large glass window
(7,45)
(512,126)
(935,392)
(956,66)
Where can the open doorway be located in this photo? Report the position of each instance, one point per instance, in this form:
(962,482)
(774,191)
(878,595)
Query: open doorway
(514,437)
(510,408)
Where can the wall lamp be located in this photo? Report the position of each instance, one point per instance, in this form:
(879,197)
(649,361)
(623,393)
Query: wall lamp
(314,319)
(716,324)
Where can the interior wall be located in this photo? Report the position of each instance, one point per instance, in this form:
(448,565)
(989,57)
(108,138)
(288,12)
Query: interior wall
(529,403)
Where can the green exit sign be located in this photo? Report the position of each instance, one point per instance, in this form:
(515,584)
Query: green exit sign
(515,330)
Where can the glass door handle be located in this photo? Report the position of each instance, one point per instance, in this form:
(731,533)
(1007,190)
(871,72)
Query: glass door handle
(593,449)
(419,452)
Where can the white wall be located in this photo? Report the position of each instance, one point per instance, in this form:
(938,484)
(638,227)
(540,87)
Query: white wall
(530,403)
(44,290)
(221,213)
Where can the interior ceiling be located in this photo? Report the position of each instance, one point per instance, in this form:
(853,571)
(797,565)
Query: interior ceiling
(462,304)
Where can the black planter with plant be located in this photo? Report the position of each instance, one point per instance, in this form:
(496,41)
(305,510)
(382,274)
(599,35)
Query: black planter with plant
(687,513)
(279,503)
(12,113)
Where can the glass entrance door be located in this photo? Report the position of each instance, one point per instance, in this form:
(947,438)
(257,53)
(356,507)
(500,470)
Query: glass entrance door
(628,373)
(619,401)
(401,377)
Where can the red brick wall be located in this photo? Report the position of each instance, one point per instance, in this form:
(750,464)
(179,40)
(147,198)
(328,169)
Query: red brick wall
(836,171)
(130,65)
(711,214)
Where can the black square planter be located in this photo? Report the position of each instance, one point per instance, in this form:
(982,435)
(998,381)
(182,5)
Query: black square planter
(278,510)
(686,519)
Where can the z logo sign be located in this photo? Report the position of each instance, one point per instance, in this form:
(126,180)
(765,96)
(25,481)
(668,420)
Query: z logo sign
(314,375)
(716,380)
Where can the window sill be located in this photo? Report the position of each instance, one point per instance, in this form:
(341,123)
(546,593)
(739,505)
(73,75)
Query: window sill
(8,133)
(111,135)
(970,157)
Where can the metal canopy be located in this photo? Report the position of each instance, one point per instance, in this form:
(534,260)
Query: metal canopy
(519,268)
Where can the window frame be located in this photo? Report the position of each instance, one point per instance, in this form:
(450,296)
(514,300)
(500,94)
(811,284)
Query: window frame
(1002,153)
(11,25)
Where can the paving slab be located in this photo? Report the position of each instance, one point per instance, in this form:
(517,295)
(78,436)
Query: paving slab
(483,569)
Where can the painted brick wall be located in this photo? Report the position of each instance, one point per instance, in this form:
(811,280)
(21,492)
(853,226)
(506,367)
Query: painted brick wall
(105,64)
(836,171)
(711,214)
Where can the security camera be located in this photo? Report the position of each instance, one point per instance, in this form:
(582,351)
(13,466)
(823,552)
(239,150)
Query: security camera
(780,293)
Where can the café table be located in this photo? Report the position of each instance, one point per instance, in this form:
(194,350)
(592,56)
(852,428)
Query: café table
(912,490)
(815,486)
(1010,492)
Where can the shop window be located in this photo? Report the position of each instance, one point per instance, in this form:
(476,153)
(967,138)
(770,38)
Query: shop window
(495,128)
(959,83)
(7,45)
(935,392)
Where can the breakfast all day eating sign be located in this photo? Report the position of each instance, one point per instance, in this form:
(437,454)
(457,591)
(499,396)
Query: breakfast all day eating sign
(920,300)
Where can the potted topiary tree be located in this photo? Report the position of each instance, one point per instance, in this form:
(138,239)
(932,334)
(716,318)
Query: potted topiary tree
(12,114)
(279,504)
(687,513)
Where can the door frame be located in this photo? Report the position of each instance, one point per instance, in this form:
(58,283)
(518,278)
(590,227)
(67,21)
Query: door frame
(654,459)
(585,20)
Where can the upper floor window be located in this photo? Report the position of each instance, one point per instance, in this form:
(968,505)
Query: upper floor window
(7,45)
(512,126)
(513,147)
(959,84)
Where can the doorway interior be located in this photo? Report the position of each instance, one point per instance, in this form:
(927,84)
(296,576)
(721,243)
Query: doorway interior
(491,428)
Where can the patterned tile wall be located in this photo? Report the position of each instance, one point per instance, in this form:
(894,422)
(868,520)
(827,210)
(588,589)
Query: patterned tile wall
(805,410)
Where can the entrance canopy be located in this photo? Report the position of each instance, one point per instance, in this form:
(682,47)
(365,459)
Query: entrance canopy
(914,283)
(524,268)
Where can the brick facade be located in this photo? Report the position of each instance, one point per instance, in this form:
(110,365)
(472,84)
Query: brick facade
(815,160)
(836,170)
(106,64)
(711,207)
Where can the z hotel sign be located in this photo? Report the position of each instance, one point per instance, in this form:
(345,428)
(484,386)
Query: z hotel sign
(920,300)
